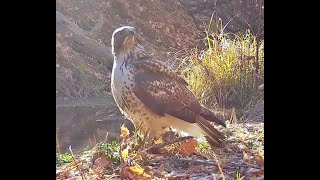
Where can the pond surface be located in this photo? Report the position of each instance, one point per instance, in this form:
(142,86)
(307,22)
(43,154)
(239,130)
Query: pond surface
(80,125)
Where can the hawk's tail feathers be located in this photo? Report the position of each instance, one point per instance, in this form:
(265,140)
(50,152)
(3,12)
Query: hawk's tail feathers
(213,136)
(210,116)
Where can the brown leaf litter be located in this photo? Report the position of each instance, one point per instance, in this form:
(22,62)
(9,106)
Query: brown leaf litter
(242,157)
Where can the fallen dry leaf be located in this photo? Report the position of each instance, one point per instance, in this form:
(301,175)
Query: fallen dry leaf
(125,153)
(245,155)
(188,147)
(125,174)
(148,168)
(124,131)
(158,141)
(260,158)
(138,170)
(139,157)
(102,162)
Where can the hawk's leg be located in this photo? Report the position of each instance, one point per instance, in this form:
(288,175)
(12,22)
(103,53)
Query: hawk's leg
(141,142)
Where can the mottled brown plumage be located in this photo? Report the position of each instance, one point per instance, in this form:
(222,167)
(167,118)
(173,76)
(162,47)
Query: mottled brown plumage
(153,96)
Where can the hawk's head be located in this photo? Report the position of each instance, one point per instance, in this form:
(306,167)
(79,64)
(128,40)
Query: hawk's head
(123,40)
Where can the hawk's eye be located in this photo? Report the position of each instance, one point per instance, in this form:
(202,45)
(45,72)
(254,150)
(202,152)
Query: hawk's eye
(120,33)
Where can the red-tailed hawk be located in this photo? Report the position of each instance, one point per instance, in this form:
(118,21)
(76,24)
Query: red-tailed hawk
(153,97)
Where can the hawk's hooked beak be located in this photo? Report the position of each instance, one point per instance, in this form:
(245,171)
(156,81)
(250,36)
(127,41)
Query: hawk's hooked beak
(123,40)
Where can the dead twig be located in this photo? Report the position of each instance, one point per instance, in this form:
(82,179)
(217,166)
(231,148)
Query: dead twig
(82,175)
(220,169)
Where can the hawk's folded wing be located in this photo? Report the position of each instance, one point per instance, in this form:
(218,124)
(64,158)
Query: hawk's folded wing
(163,91)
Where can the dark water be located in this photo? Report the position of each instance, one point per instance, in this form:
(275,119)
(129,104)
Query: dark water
(81,126)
